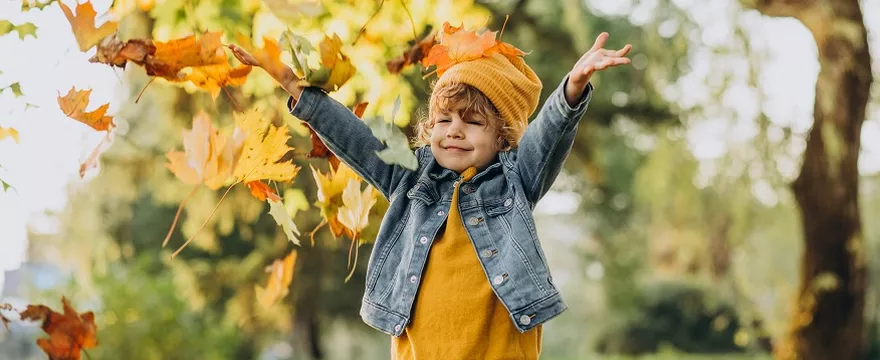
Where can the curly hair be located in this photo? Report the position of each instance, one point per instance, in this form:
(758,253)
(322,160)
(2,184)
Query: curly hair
(468,101)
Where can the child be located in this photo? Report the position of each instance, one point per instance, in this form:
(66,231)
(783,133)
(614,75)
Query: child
(485,291)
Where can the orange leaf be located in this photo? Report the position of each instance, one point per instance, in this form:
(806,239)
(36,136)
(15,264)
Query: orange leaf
(457,45)
(214,77)
(74,104)
(83,25)
(163,59)
(3,319)
(269,56)
(69,333)
(208,156)
(262,191)
(280,277)
(264,146)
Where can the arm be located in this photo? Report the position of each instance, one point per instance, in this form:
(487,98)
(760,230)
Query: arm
(348,137)
(547,140)
(343,133)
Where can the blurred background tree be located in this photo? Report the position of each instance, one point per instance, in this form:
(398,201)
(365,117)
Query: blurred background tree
(661,247)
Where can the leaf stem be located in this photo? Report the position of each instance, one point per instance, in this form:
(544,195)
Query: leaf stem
(353,267)
(364,28)
(144,89)
(206,221)
(234,104)
(411,21)
(177,216)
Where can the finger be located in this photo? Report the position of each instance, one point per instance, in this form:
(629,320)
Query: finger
(624,51)
(600,41)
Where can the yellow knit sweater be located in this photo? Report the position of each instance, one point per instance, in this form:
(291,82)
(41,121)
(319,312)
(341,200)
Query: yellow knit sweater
(456,313)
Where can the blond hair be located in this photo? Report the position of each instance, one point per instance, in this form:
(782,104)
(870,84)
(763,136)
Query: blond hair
(467,101)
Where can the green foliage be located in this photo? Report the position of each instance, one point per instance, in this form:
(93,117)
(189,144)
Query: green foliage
(678,314)
(142,316)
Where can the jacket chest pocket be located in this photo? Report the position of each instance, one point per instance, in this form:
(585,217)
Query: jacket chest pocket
(423,192)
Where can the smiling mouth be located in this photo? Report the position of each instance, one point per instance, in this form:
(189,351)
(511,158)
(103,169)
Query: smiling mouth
(455,149)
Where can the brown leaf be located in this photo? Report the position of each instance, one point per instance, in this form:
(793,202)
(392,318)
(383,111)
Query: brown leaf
(69,333)
(83,25)
(3,319)
(74,104)
(413,55)
(320,150)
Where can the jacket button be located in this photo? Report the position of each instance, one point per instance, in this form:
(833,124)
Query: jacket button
(397,327)
(468,188)
(423,240)
(413,279)
(525,320)
(497,280)
(508,202)
(486,253)
(474,221)
(441,213)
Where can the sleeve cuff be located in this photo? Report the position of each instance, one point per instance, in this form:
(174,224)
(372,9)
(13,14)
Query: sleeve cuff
(303,108)
(580,104)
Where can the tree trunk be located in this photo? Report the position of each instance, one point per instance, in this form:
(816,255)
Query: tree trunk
(828,322)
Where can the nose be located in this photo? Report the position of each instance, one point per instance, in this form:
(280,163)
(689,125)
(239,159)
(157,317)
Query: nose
(453,131)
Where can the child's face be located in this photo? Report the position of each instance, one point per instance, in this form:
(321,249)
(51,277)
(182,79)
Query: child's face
(459,143)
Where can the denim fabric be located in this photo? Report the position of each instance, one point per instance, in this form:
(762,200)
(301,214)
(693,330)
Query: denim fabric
(496,207)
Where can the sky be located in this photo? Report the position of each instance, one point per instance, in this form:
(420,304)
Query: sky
(44,166)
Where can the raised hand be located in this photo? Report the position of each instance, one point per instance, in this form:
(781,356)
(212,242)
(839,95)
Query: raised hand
(595,59)
(282,74)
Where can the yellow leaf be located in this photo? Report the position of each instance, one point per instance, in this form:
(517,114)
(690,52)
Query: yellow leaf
(280,277)
(354,213)
(10,132)
(336,68)
(208,156)
(279,213)
(214,77)
(83,25)
(264,146)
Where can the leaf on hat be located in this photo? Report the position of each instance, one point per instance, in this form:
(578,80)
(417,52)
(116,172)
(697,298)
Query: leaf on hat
(457,45)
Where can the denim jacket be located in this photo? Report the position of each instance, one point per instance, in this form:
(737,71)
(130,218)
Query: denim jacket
(496,207)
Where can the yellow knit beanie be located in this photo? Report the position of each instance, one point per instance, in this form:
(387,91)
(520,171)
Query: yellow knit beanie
(511,85)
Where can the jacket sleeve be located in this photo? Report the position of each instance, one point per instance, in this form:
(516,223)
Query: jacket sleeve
(547,141)
(348,137)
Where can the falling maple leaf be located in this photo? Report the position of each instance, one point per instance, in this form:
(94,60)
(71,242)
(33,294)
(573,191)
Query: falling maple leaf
(69,333)
(23,30)
(9,132)
(163,59)
(457,45)
(208,157)
(280,277)
(397,150)
(263,148)
(262,191)
(413,55)
(83,25)
(214,77)
(74,104)
(283,219)
(336,68)
(330,188)
(355,215)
